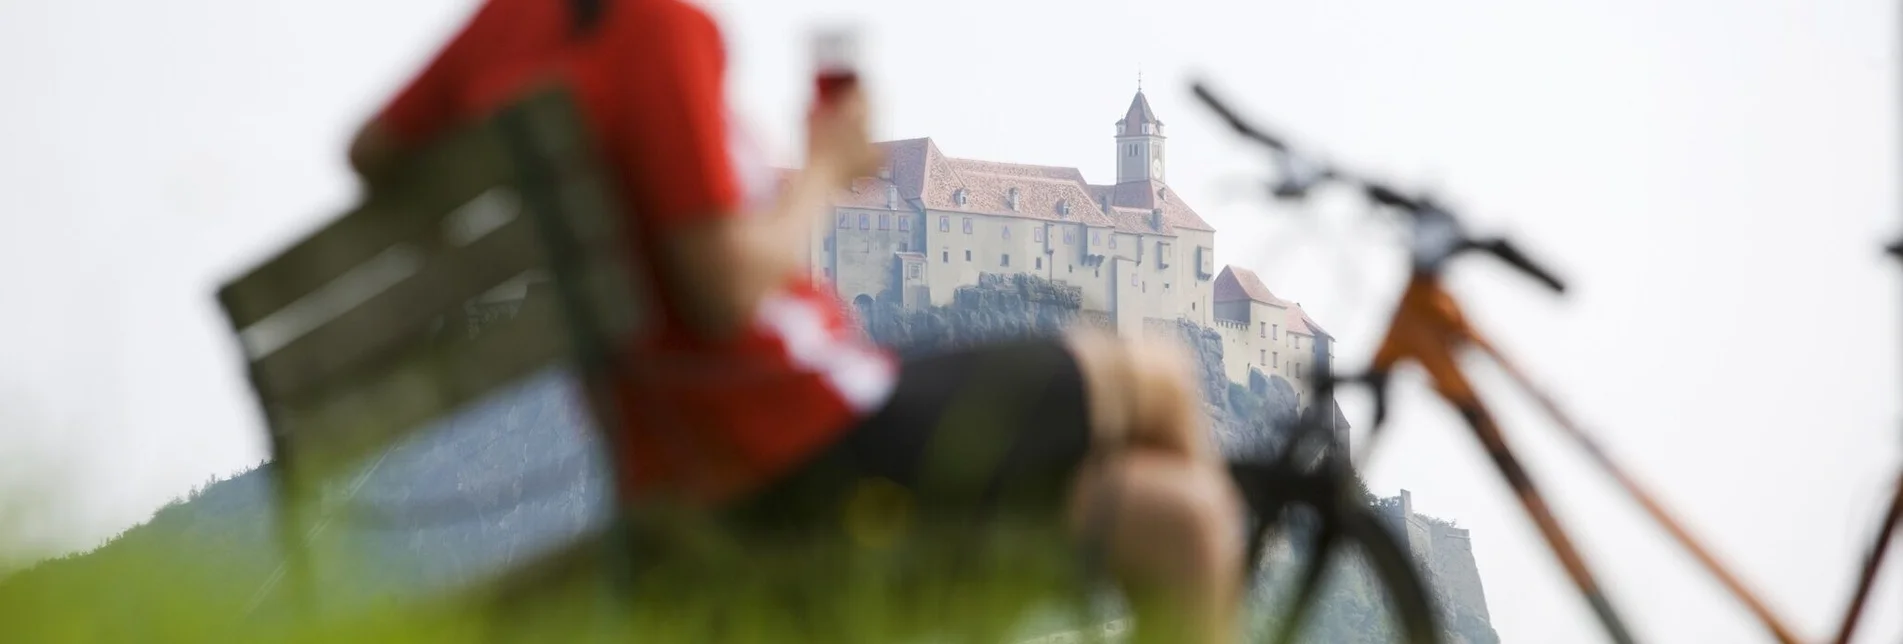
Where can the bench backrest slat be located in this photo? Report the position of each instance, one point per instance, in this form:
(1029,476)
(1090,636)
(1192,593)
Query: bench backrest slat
(402,314)
(355,335)
(434,183)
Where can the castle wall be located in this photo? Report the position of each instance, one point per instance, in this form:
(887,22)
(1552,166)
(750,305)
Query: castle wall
(1266,347)
(1444,551)
(1237,354)
(865,248)
(1195,289)
(1452,560)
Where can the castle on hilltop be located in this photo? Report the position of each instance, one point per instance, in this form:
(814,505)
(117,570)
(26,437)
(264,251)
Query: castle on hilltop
(929,224)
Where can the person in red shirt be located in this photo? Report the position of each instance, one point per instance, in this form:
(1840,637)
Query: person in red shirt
(773,410)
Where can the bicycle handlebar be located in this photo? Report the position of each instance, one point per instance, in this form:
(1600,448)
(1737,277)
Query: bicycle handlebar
(1426,217)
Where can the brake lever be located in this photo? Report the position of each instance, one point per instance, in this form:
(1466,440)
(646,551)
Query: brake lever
(1507,252)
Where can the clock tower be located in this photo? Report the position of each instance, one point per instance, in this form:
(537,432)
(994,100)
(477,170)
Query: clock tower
(1139,143)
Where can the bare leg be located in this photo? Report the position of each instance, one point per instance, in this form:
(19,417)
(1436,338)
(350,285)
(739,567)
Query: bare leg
(1174,531)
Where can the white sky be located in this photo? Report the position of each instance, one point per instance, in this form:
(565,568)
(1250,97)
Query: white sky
(1713,177)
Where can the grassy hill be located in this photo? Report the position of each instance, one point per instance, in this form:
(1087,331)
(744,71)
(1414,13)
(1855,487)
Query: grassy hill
(503,482)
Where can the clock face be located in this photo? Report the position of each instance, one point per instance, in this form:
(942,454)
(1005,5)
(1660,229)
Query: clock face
(1156,168)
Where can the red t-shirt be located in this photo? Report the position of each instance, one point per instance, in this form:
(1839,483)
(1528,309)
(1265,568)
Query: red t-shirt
(651,80)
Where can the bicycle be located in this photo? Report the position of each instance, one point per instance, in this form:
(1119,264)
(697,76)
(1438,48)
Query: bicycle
(1429,329)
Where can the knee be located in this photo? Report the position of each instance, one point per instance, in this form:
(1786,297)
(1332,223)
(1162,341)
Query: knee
(1177,518)
(1141,394)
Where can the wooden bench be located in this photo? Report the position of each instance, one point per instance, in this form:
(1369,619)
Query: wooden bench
(356,335)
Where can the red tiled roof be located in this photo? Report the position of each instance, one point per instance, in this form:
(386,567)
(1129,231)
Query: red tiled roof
(1299,322)
(1144,195)
(1038,196)
(926,177)
(1135,220)
(1023,170)
(865,192)
(1243,284)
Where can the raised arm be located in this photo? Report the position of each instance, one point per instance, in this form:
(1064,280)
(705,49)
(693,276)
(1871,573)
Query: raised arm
(716,261)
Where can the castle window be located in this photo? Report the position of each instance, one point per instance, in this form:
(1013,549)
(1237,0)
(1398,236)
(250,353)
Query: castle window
(1070,268)
(967,255)
(1096,272)
(944,257)
(1262,359)
(914,270)
(1039,261)
(865,221)
(1277,335)
(1007,231)
(1264,332)
(1070,236)
(885,222)
(905,223)
(1037,234)
(1005,260)
(944,224)
(1096,237)
(845,220)
(1113,240)
(967,225)
(1278,359)
(1133,279)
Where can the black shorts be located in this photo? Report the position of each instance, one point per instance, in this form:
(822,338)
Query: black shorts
(968,438)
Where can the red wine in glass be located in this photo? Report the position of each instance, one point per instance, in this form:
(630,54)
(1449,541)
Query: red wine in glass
(835,54)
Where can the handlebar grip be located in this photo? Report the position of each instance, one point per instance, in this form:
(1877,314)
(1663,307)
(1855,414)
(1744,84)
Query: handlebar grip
(1386,196)
(1511,254)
